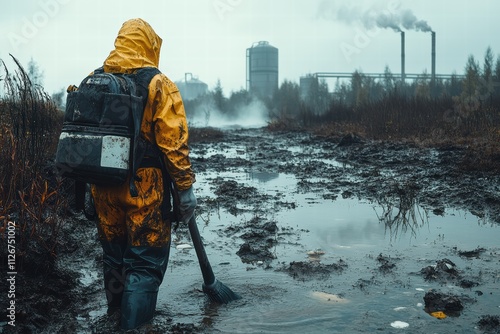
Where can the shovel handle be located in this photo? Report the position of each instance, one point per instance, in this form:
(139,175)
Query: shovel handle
(206,268)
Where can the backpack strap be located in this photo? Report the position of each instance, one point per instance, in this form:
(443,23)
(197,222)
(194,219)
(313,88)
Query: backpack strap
(169,208)
(142,78)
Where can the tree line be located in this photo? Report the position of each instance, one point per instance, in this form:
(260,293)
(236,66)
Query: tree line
(385,107)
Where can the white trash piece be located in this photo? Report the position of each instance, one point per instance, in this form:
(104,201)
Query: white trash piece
(183,246)
(400,324)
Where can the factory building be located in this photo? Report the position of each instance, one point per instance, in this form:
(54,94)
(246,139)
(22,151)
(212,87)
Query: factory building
(191,87)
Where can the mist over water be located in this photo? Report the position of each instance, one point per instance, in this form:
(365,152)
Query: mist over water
(253,115)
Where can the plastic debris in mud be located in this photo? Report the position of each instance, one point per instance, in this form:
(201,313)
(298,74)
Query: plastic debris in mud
(183,246)
(439,304)
(315,255)
(438,315)
(399,324)
(400,308)
(328,297)
(316,252)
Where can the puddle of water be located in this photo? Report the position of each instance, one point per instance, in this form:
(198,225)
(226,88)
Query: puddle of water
(228,152)
(347,229)
(87,275)
(241,151)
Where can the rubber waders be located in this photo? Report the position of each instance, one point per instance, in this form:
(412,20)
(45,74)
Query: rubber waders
(144,268)
(114,275)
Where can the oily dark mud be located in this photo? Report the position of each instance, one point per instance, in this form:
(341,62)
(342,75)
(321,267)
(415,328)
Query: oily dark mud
(407,181)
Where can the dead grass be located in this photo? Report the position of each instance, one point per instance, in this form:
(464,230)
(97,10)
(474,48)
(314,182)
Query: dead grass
(338,130)
(428,122)
(30,193)
(204,134)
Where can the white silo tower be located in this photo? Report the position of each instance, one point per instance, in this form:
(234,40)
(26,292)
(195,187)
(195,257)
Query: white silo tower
(262,69)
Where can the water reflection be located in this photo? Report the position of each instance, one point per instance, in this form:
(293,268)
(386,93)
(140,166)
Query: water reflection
(263,176)
(326,229)
(401,212)
(342,221)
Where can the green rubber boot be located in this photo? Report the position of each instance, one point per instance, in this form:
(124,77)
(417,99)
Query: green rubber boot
(144,267)
(114,274)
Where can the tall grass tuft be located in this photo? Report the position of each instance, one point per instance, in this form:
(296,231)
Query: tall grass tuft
(30,193)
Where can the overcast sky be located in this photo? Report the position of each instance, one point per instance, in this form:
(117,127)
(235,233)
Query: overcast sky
(209,38)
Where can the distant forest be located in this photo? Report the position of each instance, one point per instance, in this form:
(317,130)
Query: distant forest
(461,107)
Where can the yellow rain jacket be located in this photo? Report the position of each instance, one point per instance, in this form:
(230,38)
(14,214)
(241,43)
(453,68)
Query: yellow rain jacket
(136,46)
(165,125)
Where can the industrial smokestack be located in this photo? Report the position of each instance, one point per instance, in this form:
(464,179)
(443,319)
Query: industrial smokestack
(433,58)
(402,56)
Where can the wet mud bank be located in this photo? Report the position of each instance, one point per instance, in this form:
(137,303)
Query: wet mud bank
(351,166)
(278,213)
(408,183)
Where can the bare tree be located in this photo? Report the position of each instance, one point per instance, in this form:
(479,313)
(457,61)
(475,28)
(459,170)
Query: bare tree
(470,83)
(58,99)
(389,81)
(318,97)
(219,99)
(486,87)
(35,74)
(496,77)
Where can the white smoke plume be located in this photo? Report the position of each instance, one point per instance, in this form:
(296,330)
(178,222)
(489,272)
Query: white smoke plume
(252,115)
(410,22)
(389,17)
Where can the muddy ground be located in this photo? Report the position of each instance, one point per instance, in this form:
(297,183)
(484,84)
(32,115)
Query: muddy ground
(397,176)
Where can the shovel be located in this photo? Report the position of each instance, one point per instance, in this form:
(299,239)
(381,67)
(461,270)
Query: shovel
(215,290)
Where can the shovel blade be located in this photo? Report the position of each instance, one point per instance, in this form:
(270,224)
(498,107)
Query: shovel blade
(217,292)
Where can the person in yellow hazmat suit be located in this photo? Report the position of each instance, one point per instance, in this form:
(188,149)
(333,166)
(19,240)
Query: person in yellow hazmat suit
(134,237)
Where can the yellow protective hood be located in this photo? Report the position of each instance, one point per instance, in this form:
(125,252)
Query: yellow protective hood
(136,46)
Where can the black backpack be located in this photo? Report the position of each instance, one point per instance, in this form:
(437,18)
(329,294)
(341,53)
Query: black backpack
(100,142)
